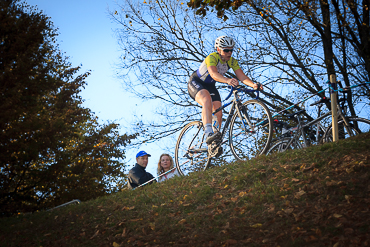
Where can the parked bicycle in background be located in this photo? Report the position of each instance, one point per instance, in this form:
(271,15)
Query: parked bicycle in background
(301,136)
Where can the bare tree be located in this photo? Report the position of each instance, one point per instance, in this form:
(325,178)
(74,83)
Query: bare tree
(286,45)
(304,41)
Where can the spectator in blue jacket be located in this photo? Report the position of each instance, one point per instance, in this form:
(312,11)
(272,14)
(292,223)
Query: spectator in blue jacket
(137,175)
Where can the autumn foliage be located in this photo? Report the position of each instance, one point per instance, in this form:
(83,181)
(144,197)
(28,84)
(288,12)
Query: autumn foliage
(52,149)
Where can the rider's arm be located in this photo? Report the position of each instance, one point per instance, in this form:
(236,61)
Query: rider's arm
(220,78)
(245,79)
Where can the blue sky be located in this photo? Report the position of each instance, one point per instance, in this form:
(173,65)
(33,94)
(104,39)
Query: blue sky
(86,36)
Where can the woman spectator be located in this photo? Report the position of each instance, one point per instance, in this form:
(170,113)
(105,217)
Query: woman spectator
(166,168)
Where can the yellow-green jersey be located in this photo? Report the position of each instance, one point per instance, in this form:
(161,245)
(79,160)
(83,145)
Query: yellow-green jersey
(214,59)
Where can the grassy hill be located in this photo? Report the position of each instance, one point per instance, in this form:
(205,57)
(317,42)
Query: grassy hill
(319,196)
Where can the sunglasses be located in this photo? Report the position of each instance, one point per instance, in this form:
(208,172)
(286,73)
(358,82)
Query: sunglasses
(228,50)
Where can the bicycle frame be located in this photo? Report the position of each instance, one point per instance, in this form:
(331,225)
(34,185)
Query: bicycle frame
(235,105)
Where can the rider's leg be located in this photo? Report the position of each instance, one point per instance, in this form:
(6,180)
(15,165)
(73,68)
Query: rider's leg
(204,99)
(216,105)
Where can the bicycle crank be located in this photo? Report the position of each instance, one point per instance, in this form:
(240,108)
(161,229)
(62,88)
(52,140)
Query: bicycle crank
(215,150)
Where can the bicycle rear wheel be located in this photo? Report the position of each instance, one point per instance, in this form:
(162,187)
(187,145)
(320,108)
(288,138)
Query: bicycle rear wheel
(279,146)
(253,139)
(356,126)
(191,153)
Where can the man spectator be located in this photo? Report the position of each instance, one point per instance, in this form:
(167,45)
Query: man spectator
(137,175)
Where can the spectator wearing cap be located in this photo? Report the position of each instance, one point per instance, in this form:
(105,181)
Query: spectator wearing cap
(137,175)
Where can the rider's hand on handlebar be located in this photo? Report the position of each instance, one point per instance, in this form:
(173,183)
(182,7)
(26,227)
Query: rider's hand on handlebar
(258,86)
(233,82)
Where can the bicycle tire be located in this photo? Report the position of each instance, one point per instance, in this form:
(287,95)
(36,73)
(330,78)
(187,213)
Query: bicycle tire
(191,153)
(357,126)
(247,143)
(279,146)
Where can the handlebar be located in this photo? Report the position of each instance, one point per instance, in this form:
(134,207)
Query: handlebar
(242,88)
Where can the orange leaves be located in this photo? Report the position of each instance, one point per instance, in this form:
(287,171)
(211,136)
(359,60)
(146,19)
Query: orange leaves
(217,196)
(183,221)
(234,199)
(128,208)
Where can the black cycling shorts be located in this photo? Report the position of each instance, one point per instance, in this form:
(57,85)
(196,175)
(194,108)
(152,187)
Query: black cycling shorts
(195,85)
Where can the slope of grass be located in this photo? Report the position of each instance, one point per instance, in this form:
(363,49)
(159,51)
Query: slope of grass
(319,196)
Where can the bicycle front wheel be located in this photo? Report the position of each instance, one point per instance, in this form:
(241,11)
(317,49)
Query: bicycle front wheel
(250,131)
(356,126)
(191,153)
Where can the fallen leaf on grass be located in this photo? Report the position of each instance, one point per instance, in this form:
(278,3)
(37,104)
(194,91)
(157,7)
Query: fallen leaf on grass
(347,197)
(234,199)
(310,238)
(152,226)
(128,208)
(134,220)
(217,196)
(116,245)
(96,234)
(295,180)
(182,221)
(299,194)
(242,193)
(331,183)
(256,225)
(348,231)
(271,209)
(337,215)
(288,210)
(124,232)
(231,242)
(349,170)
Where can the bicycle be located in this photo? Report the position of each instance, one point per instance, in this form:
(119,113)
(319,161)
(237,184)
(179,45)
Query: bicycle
(347,126)
(250,134)
(312,133)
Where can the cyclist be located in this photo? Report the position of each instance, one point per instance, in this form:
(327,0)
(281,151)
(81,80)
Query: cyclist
(202,83)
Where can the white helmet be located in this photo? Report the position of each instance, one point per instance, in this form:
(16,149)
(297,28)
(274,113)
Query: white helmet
(224,41)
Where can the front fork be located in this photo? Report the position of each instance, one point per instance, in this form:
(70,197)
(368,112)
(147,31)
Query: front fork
(239,107)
